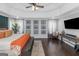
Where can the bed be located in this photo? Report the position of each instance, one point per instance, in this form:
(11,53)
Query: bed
(13,44)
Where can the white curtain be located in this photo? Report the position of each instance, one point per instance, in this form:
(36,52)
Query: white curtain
(52,26)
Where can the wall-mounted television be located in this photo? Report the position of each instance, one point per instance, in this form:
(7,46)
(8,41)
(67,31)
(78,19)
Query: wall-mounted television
(3,22)
(72,23)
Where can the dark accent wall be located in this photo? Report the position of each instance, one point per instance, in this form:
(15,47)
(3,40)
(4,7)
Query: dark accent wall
(3,22)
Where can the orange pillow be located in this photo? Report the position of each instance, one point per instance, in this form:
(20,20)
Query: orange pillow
(5,33)
(2,35)
(8,33)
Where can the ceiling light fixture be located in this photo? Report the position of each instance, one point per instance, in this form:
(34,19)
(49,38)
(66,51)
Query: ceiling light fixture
(35,6)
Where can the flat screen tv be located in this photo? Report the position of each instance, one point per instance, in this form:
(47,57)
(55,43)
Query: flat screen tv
(72,23)
(3,22)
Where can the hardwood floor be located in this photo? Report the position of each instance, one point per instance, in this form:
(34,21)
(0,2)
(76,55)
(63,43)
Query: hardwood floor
(53,47)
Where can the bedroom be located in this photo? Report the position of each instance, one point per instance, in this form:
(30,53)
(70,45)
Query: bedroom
(21,24)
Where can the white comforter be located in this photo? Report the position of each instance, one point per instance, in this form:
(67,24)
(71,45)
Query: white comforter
(5,42)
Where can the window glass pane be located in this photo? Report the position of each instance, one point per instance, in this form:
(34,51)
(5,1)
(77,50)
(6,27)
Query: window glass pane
(43,31)
(35,21)
(35,31)
(43,21)
(35,27)
(43,27)
(28,21)
(28,27)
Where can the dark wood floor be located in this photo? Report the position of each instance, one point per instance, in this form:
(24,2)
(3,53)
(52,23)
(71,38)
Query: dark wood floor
(53,47)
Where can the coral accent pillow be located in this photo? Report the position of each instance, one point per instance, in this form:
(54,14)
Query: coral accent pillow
(8,33)
(2,35)
(5,33)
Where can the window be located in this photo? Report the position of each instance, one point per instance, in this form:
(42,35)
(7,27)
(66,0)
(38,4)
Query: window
(43,31)
(35,26)
(35,21)
(28,21)
(35,31)
(43,21)
(28,27)
(43,27)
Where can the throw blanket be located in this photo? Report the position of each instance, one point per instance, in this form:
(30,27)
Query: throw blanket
(14,43)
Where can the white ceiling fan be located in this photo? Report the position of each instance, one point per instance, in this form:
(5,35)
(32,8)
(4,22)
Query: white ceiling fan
(35,6)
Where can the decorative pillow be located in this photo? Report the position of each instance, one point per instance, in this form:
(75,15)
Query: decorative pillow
(5,33)
(8,33)
(2,35)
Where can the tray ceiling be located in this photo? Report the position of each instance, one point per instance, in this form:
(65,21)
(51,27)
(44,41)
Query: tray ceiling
(50,9)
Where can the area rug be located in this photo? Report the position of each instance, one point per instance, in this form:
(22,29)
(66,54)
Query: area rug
(37,48)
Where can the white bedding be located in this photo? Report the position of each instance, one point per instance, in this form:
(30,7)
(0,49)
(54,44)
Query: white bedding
(5,42)
(5,45)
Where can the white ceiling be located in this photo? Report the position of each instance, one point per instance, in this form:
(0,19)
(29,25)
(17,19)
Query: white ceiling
(47,7)
(50,10)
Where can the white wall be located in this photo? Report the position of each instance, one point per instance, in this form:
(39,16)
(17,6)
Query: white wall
(19,22)
(3,14)
(61,27)
(71,14)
